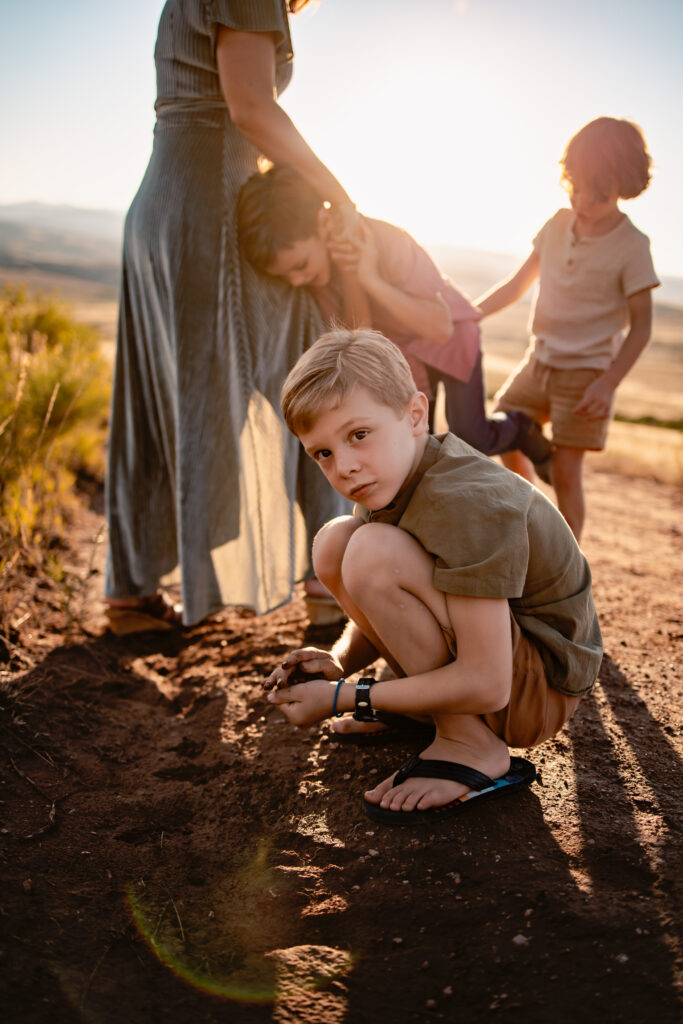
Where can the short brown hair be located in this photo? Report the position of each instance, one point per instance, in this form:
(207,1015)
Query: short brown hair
(337,363)
(609,154)
(275,209)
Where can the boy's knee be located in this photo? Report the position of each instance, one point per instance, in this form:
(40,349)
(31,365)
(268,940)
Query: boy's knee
(371,550)
(330,544)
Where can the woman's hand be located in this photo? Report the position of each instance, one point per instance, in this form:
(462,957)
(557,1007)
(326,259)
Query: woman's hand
(306,661)
(305,703)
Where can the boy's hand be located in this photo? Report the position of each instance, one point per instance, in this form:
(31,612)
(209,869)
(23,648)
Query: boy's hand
(355,254)
(343,252)
(345,220)
(306,661)
(305,703)
(597,400)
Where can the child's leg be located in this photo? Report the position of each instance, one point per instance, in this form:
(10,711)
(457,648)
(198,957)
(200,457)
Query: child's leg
(386,586)
(567,475)
(525,393)
(469,742)
(466,414)
(390,569)
(518,463)
(574,436)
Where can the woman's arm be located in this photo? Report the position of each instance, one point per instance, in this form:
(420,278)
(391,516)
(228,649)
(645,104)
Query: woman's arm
(511,289)
(246,69)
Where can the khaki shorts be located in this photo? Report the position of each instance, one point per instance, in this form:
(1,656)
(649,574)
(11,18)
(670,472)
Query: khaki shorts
(536,711)
(545,393)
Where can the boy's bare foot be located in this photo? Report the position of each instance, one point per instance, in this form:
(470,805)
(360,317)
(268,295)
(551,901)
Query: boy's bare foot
(492,758)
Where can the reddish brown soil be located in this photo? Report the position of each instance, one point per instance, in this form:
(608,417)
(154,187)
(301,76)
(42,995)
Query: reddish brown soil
(172,851)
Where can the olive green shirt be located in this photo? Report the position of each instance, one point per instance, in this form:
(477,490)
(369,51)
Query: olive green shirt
(492,534)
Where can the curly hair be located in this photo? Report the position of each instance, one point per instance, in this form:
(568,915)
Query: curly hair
(610,155)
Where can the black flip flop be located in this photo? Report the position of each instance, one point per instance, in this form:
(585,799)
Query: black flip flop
(399,729)
(521,773)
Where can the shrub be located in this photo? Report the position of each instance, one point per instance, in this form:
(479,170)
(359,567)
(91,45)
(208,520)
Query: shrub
(54,396)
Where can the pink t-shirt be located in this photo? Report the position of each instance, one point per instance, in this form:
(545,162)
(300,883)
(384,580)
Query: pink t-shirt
(406,266)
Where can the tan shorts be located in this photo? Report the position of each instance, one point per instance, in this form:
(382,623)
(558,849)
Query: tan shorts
(536,711)
(545,393)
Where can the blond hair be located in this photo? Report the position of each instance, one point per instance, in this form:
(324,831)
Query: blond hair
(337,363)
(609,154)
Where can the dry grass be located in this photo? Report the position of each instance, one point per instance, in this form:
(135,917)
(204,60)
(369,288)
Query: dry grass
(653,388)
(634,450)
(54,398)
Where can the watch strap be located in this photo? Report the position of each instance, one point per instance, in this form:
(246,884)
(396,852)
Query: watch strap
(363,711)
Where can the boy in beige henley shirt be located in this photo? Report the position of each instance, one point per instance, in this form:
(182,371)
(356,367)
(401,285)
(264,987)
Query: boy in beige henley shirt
(460,574)
(592,314)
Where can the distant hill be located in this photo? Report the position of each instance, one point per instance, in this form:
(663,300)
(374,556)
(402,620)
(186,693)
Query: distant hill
(476,270)
(61,240)
(73,242)
(104,225)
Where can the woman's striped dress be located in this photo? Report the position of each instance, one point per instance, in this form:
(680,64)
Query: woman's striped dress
(203,475)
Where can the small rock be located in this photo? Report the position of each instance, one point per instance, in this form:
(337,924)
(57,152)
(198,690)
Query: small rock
(396,940)
(27,885)
(521,940)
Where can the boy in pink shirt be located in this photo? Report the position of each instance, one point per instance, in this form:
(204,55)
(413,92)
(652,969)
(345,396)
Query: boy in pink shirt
(385,280)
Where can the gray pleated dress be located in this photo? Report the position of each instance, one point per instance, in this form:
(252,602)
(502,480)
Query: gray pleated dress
(203,475)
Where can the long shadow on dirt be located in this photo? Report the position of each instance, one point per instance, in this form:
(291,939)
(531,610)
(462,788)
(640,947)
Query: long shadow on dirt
(172,850)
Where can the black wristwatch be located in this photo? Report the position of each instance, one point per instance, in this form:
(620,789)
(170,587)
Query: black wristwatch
(364,712)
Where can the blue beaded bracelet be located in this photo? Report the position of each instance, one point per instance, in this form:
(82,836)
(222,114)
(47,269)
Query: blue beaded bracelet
(337,714)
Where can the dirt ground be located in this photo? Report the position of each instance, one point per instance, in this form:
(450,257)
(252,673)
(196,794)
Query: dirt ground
(173,851)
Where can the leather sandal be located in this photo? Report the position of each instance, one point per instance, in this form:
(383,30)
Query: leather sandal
(156,613)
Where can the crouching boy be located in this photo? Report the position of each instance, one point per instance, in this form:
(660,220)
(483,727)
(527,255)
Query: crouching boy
(460,574)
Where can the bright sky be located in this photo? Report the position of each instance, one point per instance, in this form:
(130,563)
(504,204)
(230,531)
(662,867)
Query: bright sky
(447,117)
